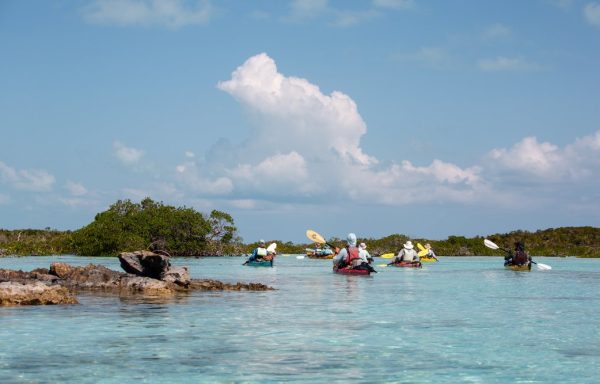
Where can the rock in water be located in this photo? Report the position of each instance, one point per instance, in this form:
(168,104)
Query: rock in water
(144,263)
(34,293)
(177,275)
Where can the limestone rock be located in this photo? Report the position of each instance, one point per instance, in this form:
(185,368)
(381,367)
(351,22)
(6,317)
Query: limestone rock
(177,275)
(34,293)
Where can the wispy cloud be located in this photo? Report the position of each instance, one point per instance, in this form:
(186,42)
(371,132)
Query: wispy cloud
(76,189)
(591,12)
(345,18)
(502,64)
(306,10)
(433,57)
(127,155)
(26,179)
(164,13)
(497,31)
(301,10)
(394,4)
(564,4)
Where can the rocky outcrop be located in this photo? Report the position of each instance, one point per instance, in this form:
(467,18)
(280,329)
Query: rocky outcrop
(153,265)
(34,293)
(59,283)
(144,263)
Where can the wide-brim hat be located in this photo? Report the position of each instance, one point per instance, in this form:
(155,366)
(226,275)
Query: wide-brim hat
(408,245)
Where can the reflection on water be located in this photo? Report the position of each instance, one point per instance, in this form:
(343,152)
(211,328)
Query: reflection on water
(460,320)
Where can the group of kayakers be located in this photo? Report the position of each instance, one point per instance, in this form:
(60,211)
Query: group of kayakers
(353,257)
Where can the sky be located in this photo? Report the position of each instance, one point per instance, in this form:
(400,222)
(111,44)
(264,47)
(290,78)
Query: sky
(424,118)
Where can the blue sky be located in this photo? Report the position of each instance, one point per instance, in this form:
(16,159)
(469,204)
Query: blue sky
(427,118)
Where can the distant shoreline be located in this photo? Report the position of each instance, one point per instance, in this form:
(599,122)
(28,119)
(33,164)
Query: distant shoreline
(581,242)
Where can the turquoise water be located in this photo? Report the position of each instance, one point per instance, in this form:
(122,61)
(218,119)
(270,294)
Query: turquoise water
(463,320)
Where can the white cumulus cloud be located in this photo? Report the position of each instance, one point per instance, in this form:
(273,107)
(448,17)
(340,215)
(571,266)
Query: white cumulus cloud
(306,144)
(297,113)
(281,171)
(546,161)
(190,175)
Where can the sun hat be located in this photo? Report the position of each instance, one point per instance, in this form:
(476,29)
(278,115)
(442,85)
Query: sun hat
(427,245)
(351,239)
(363,245)
(261,242)
(408,245)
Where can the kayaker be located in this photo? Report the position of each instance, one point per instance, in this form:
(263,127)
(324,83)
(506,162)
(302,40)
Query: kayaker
(406,254)
(351,256)
(364,253)
(519,257)
(430,252)
(348,254)
(326,250)
(258,253)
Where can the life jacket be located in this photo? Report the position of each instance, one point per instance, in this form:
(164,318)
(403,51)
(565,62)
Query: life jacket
(520,258)
(352,254)
(261,251)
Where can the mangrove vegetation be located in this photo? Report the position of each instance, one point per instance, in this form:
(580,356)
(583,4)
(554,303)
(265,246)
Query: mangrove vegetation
(182,231)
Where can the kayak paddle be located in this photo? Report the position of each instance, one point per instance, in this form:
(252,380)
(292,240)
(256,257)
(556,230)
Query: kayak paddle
(314,236)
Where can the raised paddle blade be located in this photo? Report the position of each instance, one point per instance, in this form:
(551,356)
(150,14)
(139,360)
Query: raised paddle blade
(314,236)
(421,248)
(423,253)
(543,267)
(490,244)
(271,248)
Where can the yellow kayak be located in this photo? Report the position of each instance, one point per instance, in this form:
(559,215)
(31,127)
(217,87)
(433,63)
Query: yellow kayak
(313,256)
(428,259)
(514,267)
(387,255)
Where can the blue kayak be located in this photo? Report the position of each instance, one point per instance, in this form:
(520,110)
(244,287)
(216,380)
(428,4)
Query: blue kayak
(260,263)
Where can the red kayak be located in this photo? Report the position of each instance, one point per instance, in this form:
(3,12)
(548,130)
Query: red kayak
(350,271)
(408,264)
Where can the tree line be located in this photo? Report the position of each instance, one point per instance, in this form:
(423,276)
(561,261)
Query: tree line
(182,231)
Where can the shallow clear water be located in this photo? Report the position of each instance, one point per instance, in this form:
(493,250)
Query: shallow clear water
(462,320)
